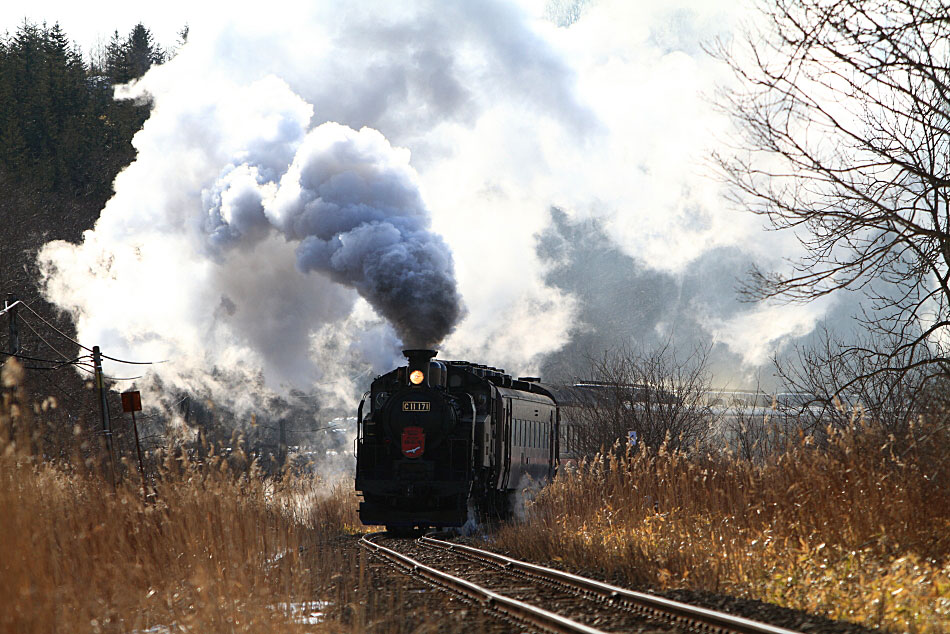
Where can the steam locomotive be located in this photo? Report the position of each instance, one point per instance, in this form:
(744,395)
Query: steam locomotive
(438,438)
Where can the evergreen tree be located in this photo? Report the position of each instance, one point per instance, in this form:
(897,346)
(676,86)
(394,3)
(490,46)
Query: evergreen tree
(68,95)
(182,40)
(60,128)
(115,67)
(130,58)
(141,51)
(29,126)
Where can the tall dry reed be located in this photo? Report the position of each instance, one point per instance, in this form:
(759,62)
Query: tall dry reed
(857,529)
(214,551)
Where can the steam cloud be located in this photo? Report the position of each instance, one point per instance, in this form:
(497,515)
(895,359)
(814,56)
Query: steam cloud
(311,176)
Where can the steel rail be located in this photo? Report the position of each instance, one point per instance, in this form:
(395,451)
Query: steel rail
(519,610)
(664,608)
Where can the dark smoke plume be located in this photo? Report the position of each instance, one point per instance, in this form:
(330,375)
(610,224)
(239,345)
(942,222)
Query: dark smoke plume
(406,273)
(352,203)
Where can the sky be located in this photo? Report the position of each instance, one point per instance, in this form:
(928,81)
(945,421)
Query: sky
(87,24)
(548,158)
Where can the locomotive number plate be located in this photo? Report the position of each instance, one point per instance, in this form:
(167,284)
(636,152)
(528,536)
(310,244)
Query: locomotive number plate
(416,406)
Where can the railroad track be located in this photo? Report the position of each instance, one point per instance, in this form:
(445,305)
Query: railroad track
(573,604)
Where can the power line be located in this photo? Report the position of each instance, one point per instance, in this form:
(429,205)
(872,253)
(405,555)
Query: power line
(299,431)
(56,362)
(61,333)
(87,366)
(27,324)
(88,349)
(47,368)
(105,356)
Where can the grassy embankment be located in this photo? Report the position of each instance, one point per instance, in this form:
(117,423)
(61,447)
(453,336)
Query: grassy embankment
(856,530)
(219,550)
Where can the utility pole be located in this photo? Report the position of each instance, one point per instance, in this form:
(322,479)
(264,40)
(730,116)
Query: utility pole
(10,308)
(14,328)
(131,403)
(281,445)
(104,410)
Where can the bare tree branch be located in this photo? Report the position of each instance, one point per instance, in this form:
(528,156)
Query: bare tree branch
(844,111)
(654,393)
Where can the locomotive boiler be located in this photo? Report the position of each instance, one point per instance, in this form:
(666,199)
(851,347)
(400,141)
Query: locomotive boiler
(438,439)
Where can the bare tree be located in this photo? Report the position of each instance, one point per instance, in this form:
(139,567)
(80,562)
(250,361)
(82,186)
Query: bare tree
(845,387)
(653,393)
(844,106)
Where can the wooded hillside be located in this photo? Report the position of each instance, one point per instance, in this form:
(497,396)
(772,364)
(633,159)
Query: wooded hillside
(63,140)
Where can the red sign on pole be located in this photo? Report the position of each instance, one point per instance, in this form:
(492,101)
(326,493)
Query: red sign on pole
(131,402)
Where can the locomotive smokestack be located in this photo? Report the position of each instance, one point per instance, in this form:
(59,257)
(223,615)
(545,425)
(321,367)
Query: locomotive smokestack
(419,356)
(419,366)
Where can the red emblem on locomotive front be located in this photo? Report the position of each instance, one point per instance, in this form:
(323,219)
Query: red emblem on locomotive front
(413,441)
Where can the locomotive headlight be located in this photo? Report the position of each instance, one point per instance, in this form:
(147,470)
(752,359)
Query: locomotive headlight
(416,377)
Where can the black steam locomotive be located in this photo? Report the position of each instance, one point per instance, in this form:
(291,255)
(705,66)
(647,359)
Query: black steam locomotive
(437,438)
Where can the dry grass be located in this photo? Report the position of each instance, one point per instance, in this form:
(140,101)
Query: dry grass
(858,529)
(216,551)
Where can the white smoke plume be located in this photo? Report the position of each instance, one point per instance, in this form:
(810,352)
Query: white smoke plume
(318,184)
